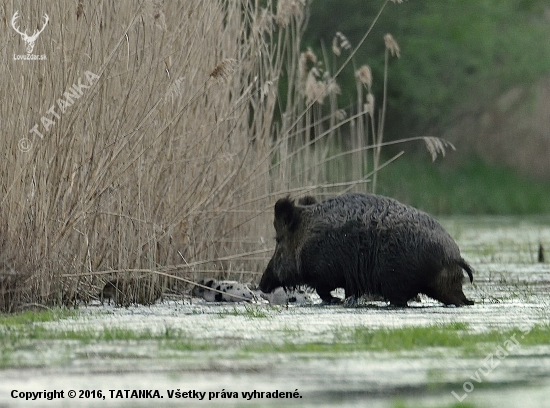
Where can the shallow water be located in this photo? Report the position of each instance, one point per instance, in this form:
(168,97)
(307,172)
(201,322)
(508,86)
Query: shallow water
(510,290)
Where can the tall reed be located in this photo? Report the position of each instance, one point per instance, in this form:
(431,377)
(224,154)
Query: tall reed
(166,165)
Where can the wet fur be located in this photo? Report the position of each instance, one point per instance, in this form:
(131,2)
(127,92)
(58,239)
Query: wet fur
(366,244)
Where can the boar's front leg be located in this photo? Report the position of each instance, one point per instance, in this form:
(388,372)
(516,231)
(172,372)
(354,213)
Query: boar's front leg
(326,297)
(399,303)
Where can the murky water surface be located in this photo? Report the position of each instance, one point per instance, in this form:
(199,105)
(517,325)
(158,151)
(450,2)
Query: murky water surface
(511,291)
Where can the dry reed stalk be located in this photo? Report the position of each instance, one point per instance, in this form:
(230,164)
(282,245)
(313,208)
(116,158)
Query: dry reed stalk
(143,165)
(167,165)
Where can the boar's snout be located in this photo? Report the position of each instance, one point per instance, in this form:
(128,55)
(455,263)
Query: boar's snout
(269,281)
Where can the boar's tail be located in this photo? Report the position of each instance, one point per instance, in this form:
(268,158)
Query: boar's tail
(467,268)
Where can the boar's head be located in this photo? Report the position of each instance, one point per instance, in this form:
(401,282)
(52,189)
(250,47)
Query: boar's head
(283,268)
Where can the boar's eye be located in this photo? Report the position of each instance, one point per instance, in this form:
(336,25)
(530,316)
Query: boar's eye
(278,240)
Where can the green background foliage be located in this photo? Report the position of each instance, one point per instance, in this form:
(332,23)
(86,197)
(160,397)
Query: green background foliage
(454,54)
(457,58)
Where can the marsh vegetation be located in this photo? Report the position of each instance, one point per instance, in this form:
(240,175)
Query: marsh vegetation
(154,138)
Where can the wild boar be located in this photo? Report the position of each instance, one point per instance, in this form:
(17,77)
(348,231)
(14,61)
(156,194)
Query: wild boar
(368,245)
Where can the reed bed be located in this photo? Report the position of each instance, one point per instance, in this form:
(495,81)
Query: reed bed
(153,140)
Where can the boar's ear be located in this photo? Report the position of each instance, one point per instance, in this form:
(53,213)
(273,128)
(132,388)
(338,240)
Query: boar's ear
(307,200)
(286,212)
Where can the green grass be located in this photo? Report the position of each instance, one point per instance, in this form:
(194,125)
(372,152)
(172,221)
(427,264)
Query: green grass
(409,338)
(17,335)
(473,187)
(28,317)
(21,338)
(455,336)
(17,339)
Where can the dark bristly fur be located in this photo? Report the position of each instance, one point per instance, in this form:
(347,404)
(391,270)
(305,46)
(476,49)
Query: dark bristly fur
(307,200)
(366,244)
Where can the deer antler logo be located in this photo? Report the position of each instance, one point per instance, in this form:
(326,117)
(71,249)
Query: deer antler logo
(29,40)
